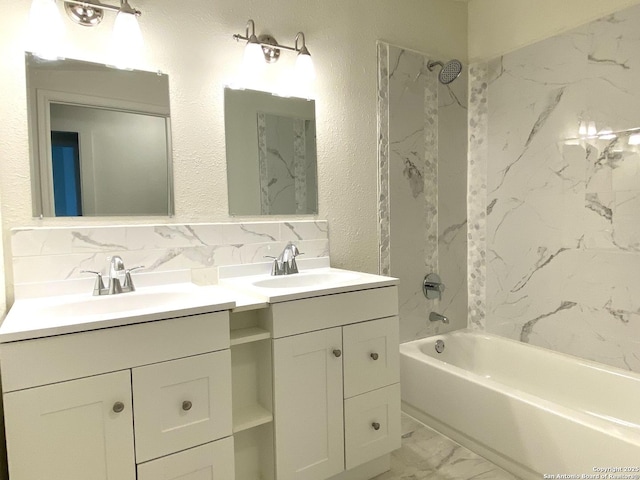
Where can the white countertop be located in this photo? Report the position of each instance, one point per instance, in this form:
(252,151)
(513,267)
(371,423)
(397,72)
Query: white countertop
(47,316)
(241,288)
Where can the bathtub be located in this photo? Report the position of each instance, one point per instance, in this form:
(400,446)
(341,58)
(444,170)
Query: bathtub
(531,411)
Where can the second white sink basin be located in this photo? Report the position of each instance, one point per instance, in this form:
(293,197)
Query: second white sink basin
(305,279)
(312,282)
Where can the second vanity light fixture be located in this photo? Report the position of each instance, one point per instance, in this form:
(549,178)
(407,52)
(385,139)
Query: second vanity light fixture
(265,48)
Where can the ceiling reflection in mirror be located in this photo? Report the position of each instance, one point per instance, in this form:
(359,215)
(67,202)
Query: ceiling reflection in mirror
(271,154)
(100,140)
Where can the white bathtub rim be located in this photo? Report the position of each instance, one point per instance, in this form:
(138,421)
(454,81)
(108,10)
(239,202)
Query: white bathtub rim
(611,427)
(490,336)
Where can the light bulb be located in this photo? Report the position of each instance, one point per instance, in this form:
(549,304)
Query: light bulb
(305,71)
(253,62)
(606,134)
(582,129)
(591,129)
(634,139)
(127,42)
(46,30)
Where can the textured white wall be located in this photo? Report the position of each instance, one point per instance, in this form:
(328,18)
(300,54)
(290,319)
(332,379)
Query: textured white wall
(500,26)
(191,41)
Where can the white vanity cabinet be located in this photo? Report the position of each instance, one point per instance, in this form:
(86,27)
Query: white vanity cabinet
(336,390)
(147,401)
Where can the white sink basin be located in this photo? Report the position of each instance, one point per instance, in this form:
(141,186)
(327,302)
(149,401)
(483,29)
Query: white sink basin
(313,282)
(114,304)
(306,279)
(45,316)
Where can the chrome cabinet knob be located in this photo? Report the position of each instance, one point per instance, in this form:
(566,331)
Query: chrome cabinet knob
(337,352)
(375,425)
(186,405)
(118,407)
(374,356)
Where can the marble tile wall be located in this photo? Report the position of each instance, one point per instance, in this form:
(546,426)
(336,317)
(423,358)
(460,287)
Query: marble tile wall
(56,254)
(422,154)
(562,245)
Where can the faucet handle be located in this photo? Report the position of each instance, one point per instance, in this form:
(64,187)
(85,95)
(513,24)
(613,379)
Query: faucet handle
(128,283)
(99,284)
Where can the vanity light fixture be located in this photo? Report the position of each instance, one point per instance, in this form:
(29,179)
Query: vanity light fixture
(47,29)
(90,13)
(269,51)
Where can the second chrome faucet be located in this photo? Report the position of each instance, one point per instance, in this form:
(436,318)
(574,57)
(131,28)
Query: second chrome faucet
(285,263)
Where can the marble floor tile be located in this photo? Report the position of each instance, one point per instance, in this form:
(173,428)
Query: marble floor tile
(427,455)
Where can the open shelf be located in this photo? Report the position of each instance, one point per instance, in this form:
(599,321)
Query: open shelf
(248,335)
(251,416)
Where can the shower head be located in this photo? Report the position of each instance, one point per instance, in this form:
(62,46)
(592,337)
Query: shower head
(449,71)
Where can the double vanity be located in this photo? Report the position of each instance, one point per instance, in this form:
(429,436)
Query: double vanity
(289,377)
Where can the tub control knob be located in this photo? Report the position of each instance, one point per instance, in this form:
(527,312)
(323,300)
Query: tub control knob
(375,425)
(374,356)
(337,352)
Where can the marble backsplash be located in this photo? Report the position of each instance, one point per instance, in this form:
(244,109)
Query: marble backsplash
(422,208)
(50,254)
(562,203)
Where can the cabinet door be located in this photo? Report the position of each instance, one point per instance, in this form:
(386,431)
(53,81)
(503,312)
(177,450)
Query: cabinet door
(308,405)
(72,430)
(213,461)
(181,404)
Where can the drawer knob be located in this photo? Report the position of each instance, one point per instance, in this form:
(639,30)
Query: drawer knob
(374,356)
(375,425)
(118,407)
(186,405)
(337,352)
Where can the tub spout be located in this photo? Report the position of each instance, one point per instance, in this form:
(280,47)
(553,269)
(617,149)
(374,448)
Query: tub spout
(436,317)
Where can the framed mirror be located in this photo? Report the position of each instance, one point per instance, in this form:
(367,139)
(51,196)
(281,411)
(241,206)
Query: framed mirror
(100,140)
(271,154)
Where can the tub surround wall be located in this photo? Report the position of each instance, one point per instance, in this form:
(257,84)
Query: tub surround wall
(421,201)
(562,221)
(58,254)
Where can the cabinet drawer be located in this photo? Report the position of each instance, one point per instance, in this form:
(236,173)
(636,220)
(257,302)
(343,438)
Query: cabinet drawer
(213,461)
(371,355)
(41,361)
(372,425)
(317,313)
(181,404)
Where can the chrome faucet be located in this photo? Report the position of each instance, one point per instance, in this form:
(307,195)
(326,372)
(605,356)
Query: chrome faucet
(285,263)
(119,278)
(436,317)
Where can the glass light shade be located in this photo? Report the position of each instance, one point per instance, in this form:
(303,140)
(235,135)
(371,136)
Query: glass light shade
(634,139)
(305,71)
(46,30)
(606,134)
(582,129)
(253,61)
(127,42)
